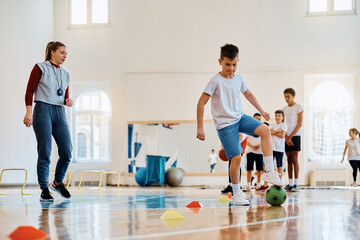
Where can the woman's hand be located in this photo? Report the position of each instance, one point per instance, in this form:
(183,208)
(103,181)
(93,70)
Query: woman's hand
(28,119)
(69,102)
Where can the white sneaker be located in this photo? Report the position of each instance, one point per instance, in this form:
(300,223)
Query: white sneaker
(247,188)
(239,200)
(354,184)
(273,178)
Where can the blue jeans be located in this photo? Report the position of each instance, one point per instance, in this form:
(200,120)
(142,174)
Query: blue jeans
(50,120)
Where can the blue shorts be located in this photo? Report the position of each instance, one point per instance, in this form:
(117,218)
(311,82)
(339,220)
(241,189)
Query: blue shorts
(229,135)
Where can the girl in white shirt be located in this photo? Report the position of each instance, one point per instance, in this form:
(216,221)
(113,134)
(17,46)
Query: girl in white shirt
(353,144)
(278,133)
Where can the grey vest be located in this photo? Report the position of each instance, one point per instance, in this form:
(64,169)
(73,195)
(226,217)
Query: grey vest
(51,80)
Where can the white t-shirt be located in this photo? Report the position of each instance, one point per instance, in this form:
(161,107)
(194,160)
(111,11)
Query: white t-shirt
(353,149)
(226,107)
(278,143)
(254,141)
(213,158)
(291,114)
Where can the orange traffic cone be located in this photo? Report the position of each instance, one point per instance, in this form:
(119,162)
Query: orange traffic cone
(27,233)
(194,204)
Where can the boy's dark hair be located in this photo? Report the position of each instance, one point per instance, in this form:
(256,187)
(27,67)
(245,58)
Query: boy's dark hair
(229,51)
(282,113)
(257,114)
(290,90)
(212,150)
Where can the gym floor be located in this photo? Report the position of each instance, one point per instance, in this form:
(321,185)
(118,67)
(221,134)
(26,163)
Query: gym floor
(134,213)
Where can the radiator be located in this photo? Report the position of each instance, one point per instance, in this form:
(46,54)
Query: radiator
(329,177)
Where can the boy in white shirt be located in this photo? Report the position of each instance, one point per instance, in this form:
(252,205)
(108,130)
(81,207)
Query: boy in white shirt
(213,160)
(294,115)
(278,133)
(229,118)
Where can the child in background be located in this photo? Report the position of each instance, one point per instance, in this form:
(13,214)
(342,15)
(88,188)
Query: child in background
(353,144)
(294,115)
(254,155)
(278,133)
(213,160)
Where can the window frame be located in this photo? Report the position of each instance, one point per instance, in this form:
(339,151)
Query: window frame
(330,11)
(77,89)
(311,82)
(89,23)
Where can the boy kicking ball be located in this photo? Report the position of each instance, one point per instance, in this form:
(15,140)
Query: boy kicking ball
(229,118)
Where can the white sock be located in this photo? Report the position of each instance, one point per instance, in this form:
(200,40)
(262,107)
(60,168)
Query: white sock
(249,184)
(235,188)
(291,183)
(296,181)
(269,163)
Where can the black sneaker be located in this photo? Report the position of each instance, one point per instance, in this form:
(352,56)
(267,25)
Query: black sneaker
(46,196)
(288,188)
(228,189)
(61,189)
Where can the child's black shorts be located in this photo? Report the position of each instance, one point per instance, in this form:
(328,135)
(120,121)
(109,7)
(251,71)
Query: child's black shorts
(257,158)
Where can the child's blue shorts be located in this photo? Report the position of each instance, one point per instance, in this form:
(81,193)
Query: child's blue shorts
(229,136)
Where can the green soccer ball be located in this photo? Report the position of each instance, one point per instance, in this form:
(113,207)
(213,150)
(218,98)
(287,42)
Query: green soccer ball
(275,195)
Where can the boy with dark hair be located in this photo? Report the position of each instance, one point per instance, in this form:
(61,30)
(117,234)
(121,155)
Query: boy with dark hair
(294,115)
(229,118)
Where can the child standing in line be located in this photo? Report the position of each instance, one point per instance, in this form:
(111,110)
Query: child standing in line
(229,118)
(353,144)
(294,115)
(278,133)
(213,160)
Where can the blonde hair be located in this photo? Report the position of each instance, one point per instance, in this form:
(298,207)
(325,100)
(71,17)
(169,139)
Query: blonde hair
(52,46)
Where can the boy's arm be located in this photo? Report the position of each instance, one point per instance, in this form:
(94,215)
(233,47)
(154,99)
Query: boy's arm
(251,98)
(298,126)
(200,116)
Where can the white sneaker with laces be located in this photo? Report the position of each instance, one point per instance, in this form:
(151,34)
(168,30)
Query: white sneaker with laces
(273,178)
(247,188)
(239,200)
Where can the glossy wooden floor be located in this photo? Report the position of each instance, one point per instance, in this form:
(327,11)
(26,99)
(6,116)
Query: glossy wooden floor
(134,213)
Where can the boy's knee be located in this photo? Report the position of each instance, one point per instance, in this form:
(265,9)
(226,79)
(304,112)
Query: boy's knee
(236,160)
(263,131)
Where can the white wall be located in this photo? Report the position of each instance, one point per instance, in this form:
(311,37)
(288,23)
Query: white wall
(177,41)
(26,27)
(158,54)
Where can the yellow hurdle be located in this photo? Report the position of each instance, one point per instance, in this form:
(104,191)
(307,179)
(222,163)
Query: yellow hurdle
(69,180)
(101,173)
(16,169)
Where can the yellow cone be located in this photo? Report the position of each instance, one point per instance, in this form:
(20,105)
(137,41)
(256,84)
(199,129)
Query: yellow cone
(171,215)
(224,199)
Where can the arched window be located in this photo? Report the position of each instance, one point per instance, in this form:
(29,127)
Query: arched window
(92,115)
(331,117)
